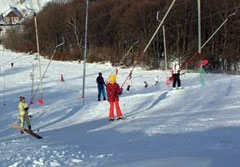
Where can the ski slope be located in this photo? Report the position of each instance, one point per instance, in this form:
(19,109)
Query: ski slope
(198,126)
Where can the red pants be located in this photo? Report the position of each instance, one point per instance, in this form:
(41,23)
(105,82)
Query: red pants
(111,110)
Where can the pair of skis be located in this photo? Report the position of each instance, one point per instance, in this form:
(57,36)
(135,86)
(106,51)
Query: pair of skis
(23,130)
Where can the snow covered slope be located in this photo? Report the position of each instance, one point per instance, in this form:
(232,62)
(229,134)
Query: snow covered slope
(194,127)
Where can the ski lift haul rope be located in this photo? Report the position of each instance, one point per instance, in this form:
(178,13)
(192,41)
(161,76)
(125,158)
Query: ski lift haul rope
(40,101)
(150,41)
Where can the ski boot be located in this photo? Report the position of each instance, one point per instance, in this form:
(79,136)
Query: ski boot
(119,118)
(111,119)
(30,128)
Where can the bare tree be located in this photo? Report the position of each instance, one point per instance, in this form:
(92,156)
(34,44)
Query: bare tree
(73,23)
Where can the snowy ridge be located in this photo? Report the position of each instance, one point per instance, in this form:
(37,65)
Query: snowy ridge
(193,127)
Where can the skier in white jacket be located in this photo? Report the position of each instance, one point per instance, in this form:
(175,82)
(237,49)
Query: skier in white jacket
(156,81)
(176,75)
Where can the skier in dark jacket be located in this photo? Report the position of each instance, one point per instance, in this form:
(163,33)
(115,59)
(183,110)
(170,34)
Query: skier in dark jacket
(100,85)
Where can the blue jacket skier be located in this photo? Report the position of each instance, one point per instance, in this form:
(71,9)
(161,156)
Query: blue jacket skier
(100,85)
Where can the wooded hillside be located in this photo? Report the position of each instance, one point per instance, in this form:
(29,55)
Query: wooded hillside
(116,25)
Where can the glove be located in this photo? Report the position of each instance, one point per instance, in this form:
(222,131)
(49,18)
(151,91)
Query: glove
(26,109)
(121,90)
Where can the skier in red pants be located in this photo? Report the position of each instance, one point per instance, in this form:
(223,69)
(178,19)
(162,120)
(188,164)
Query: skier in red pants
(113,91)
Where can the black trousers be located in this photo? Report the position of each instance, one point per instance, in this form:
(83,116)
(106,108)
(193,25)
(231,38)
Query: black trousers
(176,79)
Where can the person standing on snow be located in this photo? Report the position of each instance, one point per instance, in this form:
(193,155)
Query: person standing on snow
(176,75)
(113,91)
(145,84)
(156,81)
(100,85)
(23,109)
(129,84)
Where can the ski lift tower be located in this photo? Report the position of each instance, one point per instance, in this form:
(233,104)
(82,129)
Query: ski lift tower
(164,43)
(37,41)
(199,27)
(85,53)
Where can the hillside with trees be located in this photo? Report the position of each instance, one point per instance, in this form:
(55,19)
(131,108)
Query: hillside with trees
(117,25)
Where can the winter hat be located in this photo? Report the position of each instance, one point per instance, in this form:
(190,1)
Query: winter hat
(21,98)
(100,74)
(112,79)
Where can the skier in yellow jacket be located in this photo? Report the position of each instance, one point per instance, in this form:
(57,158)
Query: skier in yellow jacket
(23,108)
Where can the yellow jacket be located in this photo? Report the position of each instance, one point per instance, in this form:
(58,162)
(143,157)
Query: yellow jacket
(22,108)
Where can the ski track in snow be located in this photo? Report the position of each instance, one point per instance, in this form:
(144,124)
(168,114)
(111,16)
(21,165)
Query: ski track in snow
(196,126)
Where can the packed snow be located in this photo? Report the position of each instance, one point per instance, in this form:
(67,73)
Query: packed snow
(198,126)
